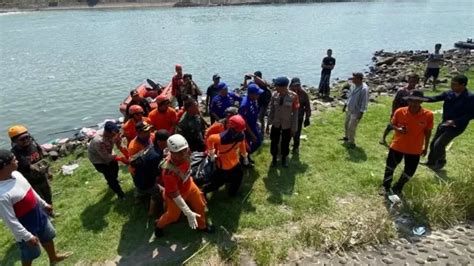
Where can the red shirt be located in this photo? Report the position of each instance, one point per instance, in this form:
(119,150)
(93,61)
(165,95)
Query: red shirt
(176,83)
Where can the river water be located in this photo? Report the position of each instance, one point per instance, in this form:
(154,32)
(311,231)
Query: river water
(65,69)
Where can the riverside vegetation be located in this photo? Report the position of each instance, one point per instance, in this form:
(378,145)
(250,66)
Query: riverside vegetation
(326,201)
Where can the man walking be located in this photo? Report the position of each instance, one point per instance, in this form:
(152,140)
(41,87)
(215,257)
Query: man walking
(249,110)
(283,119)
(24,212)
(356,106)
(433,65)
(412,125)
(458,110)
(211,92)
(304,112)
(327,65)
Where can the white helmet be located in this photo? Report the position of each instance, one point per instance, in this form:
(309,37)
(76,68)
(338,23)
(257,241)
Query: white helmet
(177,143)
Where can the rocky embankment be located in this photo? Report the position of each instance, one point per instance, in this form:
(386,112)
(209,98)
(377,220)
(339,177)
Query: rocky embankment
(389,72)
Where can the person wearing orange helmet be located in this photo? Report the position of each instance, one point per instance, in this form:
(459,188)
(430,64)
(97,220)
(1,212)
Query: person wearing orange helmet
(137,100)
(221,125)
(136,115)
(164,116)
(31,161)
(224,149)
(143,139)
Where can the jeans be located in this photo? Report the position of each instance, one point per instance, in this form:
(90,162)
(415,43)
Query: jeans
(275,134)
(296,137)
(45,235)
(110,172)
(220,177)
(324,88)
(393,159)
(444,135)
(350,125)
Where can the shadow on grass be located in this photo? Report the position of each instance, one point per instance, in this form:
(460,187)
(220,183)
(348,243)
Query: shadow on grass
(93,217)
(12,255)
(281,181)
(356,154)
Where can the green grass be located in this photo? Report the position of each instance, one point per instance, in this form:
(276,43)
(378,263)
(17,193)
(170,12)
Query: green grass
(327,200)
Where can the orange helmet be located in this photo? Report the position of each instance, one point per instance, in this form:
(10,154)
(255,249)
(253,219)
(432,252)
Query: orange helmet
(135,109)
(237,123)
(16,131)
(161,98)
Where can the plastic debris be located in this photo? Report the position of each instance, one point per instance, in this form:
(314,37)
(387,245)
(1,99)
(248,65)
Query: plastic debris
(395,199)
(304,137)
(419,231)
(69,169)
(86,132)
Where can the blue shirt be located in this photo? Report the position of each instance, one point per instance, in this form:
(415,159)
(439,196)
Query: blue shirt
(220,103)
(148,169)
(459,108)
(249,111)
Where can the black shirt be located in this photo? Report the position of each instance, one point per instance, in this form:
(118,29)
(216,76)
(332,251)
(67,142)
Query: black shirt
(328,60)
(264,98)
(212,91)
(147,173)
(26,157)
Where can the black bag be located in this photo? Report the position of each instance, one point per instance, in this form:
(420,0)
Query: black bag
(202,168)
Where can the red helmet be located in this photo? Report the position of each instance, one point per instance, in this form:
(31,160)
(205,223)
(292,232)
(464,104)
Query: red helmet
(135,109)
(161,99)
(237,122)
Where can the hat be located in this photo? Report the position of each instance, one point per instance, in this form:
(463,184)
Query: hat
(162,135)
(6,157)
(258,74)
(133,93)
(295,81)
(216,76)
(110,126)
(142,126)
(232,110)
(281,81)
(222,86)
(253,88)
(358,75)
(416,95)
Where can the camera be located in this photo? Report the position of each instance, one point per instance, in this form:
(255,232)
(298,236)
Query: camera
(248,77)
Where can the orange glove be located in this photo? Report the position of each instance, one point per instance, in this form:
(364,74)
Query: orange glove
(121,159)
(124,152)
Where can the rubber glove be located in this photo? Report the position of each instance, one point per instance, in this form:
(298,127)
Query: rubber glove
(185,209)
(121,159)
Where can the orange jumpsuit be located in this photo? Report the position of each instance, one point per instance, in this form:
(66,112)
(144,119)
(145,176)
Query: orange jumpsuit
(166,120)
(135,147)
(188,191)
(129,130)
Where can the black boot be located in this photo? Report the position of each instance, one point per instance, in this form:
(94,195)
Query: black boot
(284,162)
(274,162)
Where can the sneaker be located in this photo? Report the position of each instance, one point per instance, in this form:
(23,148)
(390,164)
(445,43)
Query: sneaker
(284,162)
(159,232)
(209,229)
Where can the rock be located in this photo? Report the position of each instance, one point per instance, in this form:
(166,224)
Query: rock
(470,249)
(424,250)
(412,252)
(420,261)
(387,260)
(449,245)
(431,258)
(386,61)
(464,261)
(442,256)
(399,256)
(456,252)
(460,242)
(54,155)
(343,261)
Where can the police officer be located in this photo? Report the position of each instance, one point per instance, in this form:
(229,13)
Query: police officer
(249,110)
(283,119)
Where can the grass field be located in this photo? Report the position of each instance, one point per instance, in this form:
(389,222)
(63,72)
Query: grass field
(327,200)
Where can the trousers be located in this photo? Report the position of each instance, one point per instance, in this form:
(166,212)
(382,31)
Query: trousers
(393,159)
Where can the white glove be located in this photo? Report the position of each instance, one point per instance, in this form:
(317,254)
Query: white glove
(246,160)
(185,209)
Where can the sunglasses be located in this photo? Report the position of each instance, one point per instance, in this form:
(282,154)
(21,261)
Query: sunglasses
(23,138)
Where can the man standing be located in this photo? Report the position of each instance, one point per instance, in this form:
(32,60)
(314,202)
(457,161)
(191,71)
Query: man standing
(136,116)
(137,100)
(249,110)
(181,193)
(190,87)
(176,83)
(433,65)
(283,119)
(142,141)
(399,101)
(25,213)
(263,99)
(327,66)
(356,106)
(31,162)
(104,160)
(164,116)
(222,101)
(458,110)
(412,125)
(304,110)
(191,126)
(221,125)
(211,92)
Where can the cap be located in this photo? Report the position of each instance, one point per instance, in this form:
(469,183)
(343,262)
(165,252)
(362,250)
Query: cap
(295,81)
(134,93)
(6,157)
(222,86)
(216,76)
(416,95)
(258,74)
(281,81)
(142,126)
(162,135)
(254,88)
(232,110)
(16,131)
(110,127)
(161,99)
(358,75)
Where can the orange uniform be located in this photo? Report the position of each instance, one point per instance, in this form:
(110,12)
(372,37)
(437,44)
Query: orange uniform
(183,183)
(416,125)
(227,154)
(216,128)
(135,147)
(166,120)
(129,130)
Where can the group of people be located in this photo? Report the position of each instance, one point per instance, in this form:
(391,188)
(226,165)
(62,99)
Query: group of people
(157,145)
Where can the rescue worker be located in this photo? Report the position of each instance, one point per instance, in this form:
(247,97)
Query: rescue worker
(191,127)
(140,142)
(250,110)
(304,112)
(181,194)
(103,158)
(224,148)
(164,116)
(136,115)
(31,161)
(221,125)
(283,119)
(137,100)
(222,101)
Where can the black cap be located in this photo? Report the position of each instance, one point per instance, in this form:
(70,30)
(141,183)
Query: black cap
(216,76)
(295,81)
(258,74)
(110,126)
(416,95)
(142,126)
(162,135)
(6,157)
(133,93)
